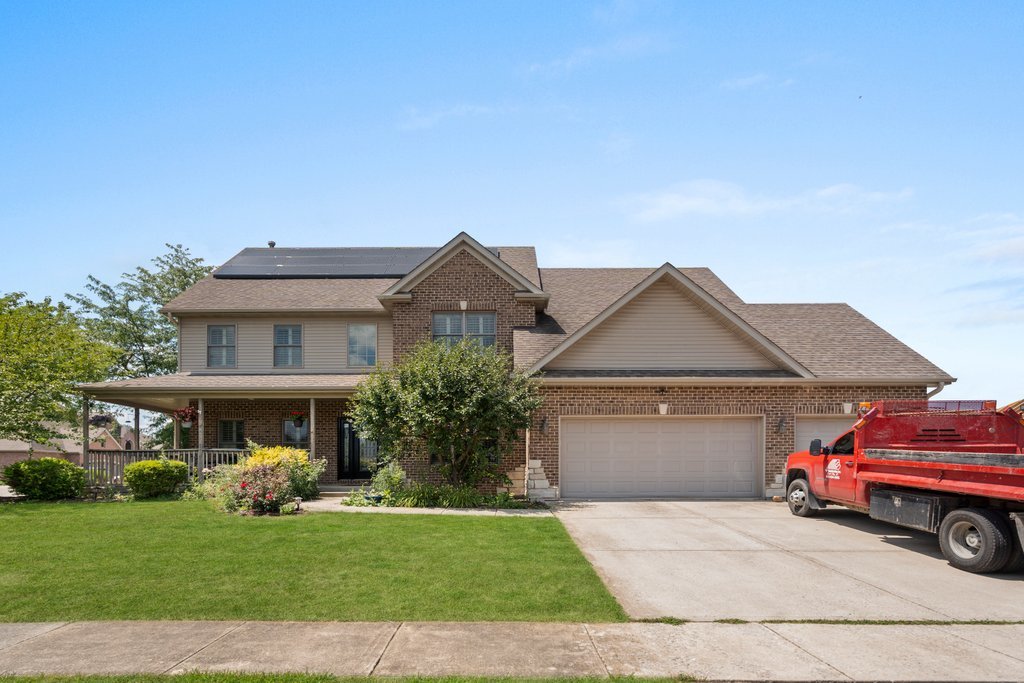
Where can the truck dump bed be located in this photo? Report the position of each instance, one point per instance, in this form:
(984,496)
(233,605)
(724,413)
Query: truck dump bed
(961,447)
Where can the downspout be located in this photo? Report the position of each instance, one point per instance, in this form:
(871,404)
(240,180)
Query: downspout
(940,387)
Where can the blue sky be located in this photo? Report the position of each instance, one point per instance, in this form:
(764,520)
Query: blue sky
(871,153)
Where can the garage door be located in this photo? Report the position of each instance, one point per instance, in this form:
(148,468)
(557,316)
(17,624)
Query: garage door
(660,457)
(824,428)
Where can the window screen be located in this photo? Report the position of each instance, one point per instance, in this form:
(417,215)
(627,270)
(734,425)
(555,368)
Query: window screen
(220,346)
(287,346)
(362,345)
(231,434)
(453,327)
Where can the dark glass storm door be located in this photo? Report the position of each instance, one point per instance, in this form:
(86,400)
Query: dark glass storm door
(355,455)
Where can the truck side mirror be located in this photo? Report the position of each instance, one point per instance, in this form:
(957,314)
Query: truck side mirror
(815,448)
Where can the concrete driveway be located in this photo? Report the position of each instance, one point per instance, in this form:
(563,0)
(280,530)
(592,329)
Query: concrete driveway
(705,561)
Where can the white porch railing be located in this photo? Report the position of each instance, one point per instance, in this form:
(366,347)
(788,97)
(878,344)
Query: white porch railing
(104,468)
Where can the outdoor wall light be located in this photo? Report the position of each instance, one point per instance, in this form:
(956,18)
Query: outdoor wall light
(781,426)
(543,425)
(663,409)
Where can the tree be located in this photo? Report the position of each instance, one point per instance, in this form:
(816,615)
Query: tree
(44,354)
(127,316)
(464,405)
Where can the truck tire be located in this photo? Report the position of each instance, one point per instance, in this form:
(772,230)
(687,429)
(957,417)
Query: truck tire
(975,540)
(1016,562)
(798,497)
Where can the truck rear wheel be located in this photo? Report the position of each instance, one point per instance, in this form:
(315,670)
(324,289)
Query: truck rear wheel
(975,540)
(798,497)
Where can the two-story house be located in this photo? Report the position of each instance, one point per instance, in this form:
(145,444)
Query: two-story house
(657,381)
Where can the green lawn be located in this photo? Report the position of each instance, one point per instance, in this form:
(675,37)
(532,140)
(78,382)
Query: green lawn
(184,560)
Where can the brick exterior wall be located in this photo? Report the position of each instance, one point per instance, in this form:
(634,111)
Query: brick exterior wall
(264,423)
(463,277)
(774,403)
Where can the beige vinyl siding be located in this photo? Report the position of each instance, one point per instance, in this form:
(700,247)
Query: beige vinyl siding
(662,328)
(324,343)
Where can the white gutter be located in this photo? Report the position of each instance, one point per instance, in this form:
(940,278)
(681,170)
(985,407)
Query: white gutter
(741,381)
(937,389)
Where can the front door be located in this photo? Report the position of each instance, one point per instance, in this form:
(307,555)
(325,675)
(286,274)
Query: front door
(355,456)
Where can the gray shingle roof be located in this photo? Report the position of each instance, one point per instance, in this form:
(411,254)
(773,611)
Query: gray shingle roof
(233,382)
(833,341)
(214,294)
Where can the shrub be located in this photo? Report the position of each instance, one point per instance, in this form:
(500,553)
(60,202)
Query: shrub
(505,501)
(152,478)
(389,483)
(45,479)
(260,489)
(303,473)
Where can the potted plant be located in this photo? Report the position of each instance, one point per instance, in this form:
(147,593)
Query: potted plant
(186,415)
(298,418)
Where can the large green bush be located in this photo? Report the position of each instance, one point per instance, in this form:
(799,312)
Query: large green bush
(153,478)
(45,479)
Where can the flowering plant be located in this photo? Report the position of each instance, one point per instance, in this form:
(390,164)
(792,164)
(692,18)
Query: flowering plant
(186,414)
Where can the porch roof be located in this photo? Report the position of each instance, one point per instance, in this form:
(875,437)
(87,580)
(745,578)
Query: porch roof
(169,392)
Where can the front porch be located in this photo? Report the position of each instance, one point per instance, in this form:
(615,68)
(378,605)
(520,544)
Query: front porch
(235,409)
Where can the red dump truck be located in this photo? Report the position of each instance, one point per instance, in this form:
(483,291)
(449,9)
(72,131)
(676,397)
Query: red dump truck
(955,468)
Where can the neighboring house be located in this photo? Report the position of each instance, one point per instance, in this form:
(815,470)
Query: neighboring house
(68,447)
(657,381)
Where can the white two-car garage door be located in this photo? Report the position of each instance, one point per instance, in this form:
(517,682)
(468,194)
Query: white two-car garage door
(681,457)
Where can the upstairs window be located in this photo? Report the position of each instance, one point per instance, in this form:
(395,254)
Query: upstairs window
(220,346)
(231,434)
(287,346)
(451,328)
(362,345)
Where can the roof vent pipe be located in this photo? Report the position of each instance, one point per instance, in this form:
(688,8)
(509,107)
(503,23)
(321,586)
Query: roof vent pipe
(271,244)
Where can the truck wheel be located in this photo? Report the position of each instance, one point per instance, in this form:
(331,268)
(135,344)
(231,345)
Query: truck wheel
(798,496)
(975,540)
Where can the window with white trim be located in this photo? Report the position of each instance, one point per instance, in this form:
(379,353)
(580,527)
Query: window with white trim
(287,346)
(220,346)
(451,328)
(362,345)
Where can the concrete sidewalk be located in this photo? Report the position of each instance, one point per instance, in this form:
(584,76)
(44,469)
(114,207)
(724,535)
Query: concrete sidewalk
(711,651)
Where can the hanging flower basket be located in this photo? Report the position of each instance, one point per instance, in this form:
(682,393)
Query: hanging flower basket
(298,418)
(186,416)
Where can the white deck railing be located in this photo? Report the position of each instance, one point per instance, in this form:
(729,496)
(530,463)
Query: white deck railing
(104,468)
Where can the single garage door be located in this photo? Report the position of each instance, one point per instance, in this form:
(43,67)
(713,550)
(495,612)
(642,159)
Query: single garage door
(824,428)
(672,457)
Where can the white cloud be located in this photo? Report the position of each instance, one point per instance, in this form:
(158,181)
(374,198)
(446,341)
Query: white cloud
(758,80)
(626,47)
(415,118)
(720,198)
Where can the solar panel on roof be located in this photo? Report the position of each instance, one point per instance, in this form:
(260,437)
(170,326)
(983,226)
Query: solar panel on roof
(341,262)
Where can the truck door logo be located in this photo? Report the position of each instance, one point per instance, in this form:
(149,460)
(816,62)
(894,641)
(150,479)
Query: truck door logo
(834,469)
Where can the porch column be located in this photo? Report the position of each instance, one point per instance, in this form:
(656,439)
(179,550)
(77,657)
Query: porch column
(201,427)
(312,428)
(138,432)
(85,430)
(176,443)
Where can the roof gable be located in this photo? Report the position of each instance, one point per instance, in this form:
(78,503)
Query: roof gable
(663,327)
(460,242)
(734,324)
